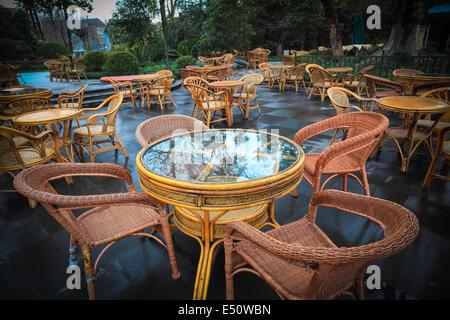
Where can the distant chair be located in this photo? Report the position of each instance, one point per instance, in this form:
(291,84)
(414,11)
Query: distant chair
(52,67)
(78,70)
(207,103)
(248,93)
(125,88)
(106,218)
(160,127)
(442,152)
(38,149)
(374,82)
(297,77)
(253,59)
(346,157)
(397,72)
(321,80)
(357,81)
(269,76)
(299,261)
(100,128)
(8,76)
(197,81)
(287,60)
(159,90)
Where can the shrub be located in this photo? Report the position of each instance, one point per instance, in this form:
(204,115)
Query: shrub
(121,63)
(94,61)
(14,49)
(52,50)
(184,61)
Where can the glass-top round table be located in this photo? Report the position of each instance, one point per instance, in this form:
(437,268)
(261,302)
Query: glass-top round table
(217,176)
(411,80)
(10,94)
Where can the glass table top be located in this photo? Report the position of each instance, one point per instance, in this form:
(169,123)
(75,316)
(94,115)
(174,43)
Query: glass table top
(436,75)
(21,91)
(221,156)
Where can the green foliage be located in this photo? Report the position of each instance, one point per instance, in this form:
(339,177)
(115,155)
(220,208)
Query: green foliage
(52,50)
(121,63)
(184,61)
(94,61)
(141,52)
(186,47)
(14,49)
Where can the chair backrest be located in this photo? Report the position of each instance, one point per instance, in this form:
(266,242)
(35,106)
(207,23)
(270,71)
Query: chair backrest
(420,89)
(287,60)
(298,52)
(266,69)
(228,58)
(164,73)
(161,83)
(121,87)
(75,99)
(442,94)
(337,268)
(339,99)
(300,70)
(196,81)
(22,105)
(164,126)
(374,81)
(184,73)
(79,65)
(317,74)
(204,98)
(52,65)
(405,71)
(364,131)
(251,82)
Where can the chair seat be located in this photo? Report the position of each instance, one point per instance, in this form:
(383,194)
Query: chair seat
(429,123)
(105,224)
(127,92)
(157,92)
(31,155)
(292,277)
(95,129)
(18,140)
(243,96)
(401,133)
(67,105)
(213,105)
(323,84)
(354,83)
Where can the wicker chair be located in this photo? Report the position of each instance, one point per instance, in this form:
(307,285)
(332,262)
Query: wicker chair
(321,80)
(100,128)
(159,90)
(420,89)
(253,59)
(397,72)
(269,76)
(198,81)
(442,94)
(38,149)
(345,157)
(22,105)
(78,71)
(125,88)
(160,127)
(357,81)
(52,67)
(287,60)
(8,76)
(299,261)
(442,152)
(207,103)
(297,77)
(228,59)
(248,93)
(110,218)
(395,88)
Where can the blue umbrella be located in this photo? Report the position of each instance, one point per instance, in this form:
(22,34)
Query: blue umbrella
(358,30)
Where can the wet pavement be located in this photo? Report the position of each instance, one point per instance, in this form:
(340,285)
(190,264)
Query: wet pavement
(34,247)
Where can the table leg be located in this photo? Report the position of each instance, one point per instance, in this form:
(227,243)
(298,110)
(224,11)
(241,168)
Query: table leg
(410,142)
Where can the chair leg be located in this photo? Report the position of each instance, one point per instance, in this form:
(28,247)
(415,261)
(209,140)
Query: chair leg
(228,270)
(167,234)
(365,182)
(121,145)
(89,272)
(428,177)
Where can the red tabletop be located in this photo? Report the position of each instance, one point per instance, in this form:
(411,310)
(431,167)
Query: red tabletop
(128,78)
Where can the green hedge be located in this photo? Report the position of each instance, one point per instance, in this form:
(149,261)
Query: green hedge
(184,61)
(52,50)
(14,49)
(121,63)
(94,61)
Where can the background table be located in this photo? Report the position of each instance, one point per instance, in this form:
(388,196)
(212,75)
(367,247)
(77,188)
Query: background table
(49,118)
(281,77)
(344,70)
(208,174)
(131,78)
(412,107)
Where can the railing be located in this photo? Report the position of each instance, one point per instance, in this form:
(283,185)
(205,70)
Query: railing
(384,65)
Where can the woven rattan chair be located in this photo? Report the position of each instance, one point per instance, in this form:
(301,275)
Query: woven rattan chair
(110,218)
(287,60)
(299,261)
(160,127)
(100,129)
(52,67)
(297,77)
(339,98)
(22,105)
(397,72)
(248,93)
(393,88)
(442,152)
(253,59)
(420,89)
(72,99)
(14,157)
(207,103)
(269,76)
(357,81)
(321,80)
(125,88)
(198,81)
(78,70)
(228,59)
(159,90)
(8,76)
(347,157)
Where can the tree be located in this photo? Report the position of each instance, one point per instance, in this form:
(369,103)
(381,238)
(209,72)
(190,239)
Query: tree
(331,18)
(162,10)
(32,8)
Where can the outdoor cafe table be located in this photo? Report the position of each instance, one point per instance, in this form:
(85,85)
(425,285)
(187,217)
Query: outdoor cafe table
(213,177)
(230,86)
(49,118)
(410,80)
(132,78)
(7,95)
(344,70)
(412,107)
(281,77)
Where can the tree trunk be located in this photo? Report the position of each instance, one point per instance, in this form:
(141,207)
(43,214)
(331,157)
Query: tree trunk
(69,32)
(333,25)
(162,9)
(36,22)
